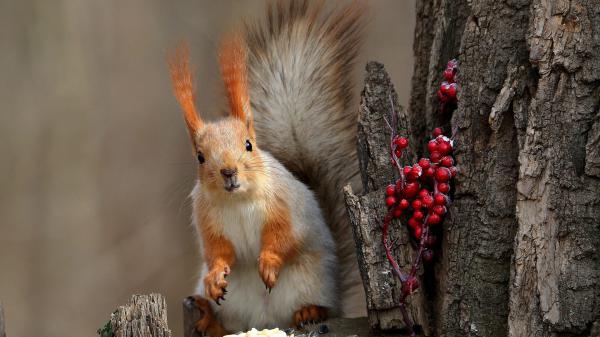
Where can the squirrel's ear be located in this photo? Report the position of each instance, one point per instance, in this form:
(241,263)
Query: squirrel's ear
(183,87)
(232,59)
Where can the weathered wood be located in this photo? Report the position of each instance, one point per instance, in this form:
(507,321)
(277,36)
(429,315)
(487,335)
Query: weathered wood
(555,286)
(2,324)
(366,211)
(143,316)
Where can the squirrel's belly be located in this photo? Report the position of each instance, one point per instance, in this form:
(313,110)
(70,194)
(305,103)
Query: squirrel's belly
(249,305)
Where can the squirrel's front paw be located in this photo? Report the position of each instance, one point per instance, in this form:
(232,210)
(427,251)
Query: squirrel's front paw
(269,265)
(215,284)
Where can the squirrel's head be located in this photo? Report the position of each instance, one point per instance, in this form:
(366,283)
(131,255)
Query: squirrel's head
(228,159)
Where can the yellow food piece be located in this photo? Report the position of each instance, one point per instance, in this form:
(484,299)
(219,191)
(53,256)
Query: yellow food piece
(262,333)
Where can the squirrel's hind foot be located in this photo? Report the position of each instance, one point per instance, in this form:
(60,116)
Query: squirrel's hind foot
(208,323)
(309,315)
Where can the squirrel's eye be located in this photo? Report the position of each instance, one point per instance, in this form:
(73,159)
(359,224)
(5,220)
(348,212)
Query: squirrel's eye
(200,158)
(248,145)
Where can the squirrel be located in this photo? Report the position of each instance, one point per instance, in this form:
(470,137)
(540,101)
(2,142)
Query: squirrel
(276,244)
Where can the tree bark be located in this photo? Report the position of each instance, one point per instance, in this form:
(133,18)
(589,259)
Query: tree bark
(520,252)
(556,275)
(144,316)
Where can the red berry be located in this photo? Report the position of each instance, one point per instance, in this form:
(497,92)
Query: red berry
(444,148)
(443,98)
(424,163)
(449,75)
(433,219)
(437,132)
(397,212)
(406,170)
(451,90)
(435,156)
(447,161)
(439,209)
(401,142)
(429,172)
(417,231)
(398,153)
(411,189)
(442,174)
(403,204)
(439,199)
(415,172)
(444,88)
(427,255)
(390,201)
(417,204)
(444,188)
(414,223)
(432,146)
(430,240)
(453,171)
(428,201)
(423,192)
(418,215)
(390,190)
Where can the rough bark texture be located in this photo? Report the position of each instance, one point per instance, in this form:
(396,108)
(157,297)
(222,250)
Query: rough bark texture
(144,316)
(367,211)
(520,249)
(556,275)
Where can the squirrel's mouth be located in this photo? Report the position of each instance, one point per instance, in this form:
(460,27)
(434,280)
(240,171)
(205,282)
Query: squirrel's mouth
(231,186)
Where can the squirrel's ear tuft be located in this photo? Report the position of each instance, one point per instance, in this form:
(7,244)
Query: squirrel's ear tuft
(183,87)
(232,59)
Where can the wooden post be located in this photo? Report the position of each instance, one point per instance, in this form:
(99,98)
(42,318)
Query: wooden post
(2,325)
(144,316)
(366,211)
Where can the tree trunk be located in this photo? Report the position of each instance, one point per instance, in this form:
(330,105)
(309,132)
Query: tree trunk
(520,253)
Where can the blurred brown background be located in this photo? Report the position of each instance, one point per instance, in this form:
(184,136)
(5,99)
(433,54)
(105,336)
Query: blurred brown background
(95,164)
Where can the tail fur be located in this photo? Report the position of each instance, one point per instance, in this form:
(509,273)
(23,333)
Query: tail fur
(300,61)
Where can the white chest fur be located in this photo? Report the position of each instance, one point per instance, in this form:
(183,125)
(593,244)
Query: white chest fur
(242,224)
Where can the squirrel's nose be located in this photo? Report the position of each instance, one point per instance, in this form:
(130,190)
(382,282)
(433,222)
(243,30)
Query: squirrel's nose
(228,172)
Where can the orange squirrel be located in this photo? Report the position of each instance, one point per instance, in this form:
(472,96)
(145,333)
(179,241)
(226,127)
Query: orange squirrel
(267,240)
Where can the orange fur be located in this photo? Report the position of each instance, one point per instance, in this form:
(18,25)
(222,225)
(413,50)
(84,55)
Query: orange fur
(208,323)
(183,87)
(278,242)
(232,59)
(219,255)
(310,314)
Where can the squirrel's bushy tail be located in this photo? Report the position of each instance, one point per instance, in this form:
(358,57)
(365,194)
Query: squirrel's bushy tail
(300,65)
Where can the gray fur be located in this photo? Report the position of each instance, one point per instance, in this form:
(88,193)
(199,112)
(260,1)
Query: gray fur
(300,64)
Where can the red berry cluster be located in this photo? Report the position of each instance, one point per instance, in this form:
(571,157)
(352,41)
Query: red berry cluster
(420,196)
(448,89)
